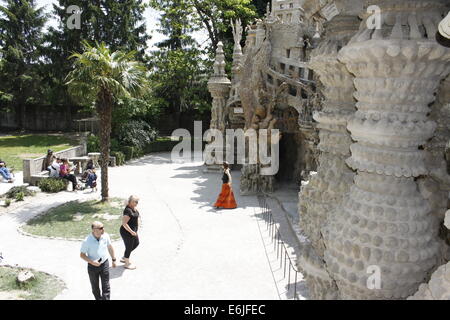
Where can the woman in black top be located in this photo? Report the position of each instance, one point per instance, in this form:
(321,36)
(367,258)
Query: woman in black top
(226,196)
(128,230)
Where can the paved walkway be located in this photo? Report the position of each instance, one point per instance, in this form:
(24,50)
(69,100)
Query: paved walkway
(188,250)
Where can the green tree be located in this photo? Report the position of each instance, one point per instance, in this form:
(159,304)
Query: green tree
(178,67)
(261,6)
(215,17)
(118,23)
(102,76)
(21,24)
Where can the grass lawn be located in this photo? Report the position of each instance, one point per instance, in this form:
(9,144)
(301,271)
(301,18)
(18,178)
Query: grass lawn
(73,219)
(43,287)
(15,148)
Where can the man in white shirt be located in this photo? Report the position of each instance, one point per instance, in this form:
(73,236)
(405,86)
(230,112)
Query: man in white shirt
(94,250)
(54,168)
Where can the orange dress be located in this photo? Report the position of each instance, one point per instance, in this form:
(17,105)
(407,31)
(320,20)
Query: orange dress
(226,197)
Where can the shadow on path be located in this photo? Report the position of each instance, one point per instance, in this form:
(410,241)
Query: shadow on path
(206,182)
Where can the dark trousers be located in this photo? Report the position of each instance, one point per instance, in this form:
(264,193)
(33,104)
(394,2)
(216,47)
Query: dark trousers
(101,272)
(130,242)
(72,179)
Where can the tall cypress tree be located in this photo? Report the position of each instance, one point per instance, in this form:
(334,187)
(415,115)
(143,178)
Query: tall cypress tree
(118,23)
(21,26)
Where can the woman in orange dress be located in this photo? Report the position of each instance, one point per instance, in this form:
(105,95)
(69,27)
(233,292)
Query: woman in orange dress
(226,197)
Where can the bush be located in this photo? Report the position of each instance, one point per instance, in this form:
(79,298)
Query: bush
(15,191)
(93,144)
(53,185)
(7,202)
(20,196)
(114,145)
(136,133)
(132,152)
(120,157)
(158,146)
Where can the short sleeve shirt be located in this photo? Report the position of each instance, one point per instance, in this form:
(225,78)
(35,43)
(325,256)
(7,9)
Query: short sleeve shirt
(134,216)
(96,248)
(54,170)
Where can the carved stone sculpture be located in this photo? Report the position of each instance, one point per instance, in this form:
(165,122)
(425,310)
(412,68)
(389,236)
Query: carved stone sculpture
(325,190)
(385,222)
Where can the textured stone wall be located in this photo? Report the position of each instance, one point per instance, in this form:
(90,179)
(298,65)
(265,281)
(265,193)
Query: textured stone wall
(325,190)
(385,221)
(438,288)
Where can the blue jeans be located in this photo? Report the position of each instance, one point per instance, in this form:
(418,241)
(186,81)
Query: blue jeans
(5,173)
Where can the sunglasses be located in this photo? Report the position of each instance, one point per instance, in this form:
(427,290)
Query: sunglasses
(101,228)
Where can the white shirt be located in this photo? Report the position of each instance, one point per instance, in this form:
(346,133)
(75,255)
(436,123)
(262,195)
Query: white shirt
(54,169)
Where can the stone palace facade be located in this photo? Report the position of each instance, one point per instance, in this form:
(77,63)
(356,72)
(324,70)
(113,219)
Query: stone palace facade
(360,91)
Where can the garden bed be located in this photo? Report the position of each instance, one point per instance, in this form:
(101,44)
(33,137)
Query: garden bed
(73,220)
(43,287)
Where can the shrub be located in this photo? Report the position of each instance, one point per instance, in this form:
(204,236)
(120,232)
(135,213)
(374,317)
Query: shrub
(136,133)
(20,196)
(132,152)
(128,152)
(93,144)
(158,146)
(114,145)
(14,191)
(53,185)
(120,157)
(7,202)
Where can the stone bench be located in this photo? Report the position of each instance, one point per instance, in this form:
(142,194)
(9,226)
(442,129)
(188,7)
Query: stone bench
(35,178)
(33,167)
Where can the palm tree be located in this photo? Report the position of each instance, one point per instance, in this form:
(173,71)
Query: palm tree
(101,77)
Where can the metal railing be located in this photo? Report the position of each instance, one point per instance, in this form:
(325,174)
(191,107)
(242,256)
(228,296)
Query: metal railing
(278,244)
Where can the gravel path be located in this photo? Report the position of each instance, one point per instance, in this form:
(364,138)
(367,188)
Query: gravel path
(188,250)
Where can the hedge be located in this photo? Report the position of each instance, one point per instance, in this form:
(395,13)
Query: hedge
(120,157)
(53,185)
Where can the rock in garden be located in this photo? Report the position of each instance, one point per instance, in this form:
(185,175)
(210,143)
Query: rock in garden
(78,216)
(34,189)
(106,216)
(24,277)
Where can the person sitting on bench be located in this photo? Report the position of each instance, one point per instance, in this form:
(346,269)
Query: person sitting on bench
(49,159)
(5,172)
(89,167)
(91,179)
(64,172)
(55,168)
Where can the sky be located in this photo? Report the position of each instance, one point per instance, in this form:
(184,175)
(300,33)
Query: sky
(151,17)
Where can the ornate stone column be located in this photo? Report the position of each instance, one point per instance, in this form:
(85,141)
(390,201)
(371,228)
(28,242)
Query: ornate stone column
(325,190)
(436,186)
(385,223)
(219,87)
